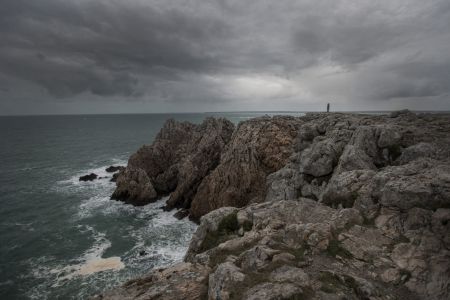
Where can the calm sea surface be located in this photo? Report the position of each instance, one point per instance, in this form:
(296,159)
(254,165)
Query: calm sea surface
(56,232)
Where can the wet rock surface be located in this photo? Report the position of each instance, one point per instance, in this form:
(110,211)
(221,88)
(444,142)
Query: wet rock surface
(353,207)
(113,169)
(88,177)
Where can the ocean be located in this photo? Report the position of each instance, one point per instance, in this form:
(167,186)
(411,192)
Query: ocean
(57,234)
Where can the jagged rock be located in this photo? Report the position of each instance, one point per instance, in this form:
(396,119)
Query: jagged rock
(181,214)
(183,281)
(135,187)
(209,224)
(177,161)
(422,183)
(113,169)
(320,159)
(345,188)
(376,227)
(88,177)
(223,281)
(417,151)
(257,148)
(114,177)
(282,185)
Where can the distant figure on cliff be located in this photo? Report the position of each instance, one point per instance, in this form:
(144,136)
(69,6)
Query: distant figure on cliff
(328,107)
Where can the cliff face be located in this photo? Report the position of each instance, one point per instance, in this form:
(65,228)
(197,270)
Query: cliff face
(257,148)
(353,207)
(192,163)
(180,157)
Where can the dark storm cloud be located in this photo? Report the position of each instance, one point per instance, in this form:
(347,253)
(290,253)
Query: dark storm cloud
(225,52)
(101,46)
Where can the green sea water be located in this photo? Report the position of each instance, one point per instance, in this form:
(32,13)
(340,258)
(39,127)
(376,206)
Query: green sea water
(52,226)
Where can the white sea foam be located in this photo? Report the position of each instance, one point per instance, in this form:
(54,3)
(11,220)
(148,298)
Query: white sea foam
(74,179)
(161,237)
(90,262)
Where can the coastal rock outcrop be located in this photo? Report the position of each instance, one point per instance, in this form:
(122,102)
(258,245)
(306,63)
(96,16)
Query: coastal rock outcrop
(304,249)
(177,161)
(88,177)
(326,206)
(257,148)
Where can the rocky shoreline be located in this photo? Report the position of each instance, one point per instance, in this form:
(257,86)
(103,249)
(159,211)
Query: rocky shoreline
(325,206)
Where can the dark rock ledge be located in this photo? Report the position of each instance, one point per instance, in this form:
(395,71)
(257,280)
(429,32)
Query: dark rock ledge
(326,206)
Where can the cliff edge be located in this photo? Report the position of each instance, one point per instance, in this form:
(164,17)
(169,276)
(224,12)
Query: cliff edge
(325,206)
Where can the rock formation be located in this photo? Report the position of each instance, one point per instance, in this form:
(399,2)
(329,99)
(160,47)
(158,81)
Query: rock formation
(88,177)
(326,206)
(113,169)
(177,161)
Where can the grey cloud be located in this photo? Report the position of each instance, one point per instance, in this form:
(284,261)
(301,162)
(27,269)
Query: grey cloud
(103,46)
(192,52)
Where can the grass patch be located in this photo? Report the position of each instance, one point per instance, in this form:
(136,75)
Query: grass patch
(330,283)
(335,249)
(227,227)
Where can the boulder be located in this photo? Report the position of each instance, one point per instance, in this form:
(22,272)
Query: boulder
(88,177)
(113,169)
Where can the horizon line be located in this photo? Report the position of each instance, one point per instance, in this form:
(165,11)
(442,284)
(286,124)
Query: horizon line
(216,112)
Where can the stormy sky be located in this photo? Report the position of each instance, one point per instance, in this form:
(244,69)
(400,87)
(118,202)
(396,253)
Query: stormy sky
(124,56)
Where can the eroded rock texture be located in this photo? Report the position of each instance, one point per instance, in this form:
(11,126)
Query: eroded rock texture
(257,148)
(354,207)
(177,161)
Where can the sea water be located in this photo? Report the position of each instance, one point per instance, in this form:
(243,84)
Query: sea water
(65,239)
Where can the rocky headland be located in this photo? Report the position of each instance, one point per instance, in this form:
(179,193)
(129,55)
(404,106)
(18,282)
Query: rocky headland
(325,206)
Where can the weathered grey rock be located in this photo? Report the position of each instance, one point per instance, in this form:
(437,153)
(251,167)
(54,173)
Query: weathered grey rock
(417,151)
(183,281)
(274,291)
(208,224)
(290,274)
(320,159)
(257,148)
(422,183)
(282,185)
(224,280)
(375,227)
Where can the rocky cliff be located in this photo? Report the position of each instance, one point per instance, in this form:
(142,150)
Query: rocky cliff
(177,161)
(326,206)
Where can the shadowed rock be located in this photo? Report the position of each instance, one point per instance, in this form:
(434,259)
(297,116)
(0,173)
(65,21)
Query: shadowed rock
(113,169)
(88,177)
